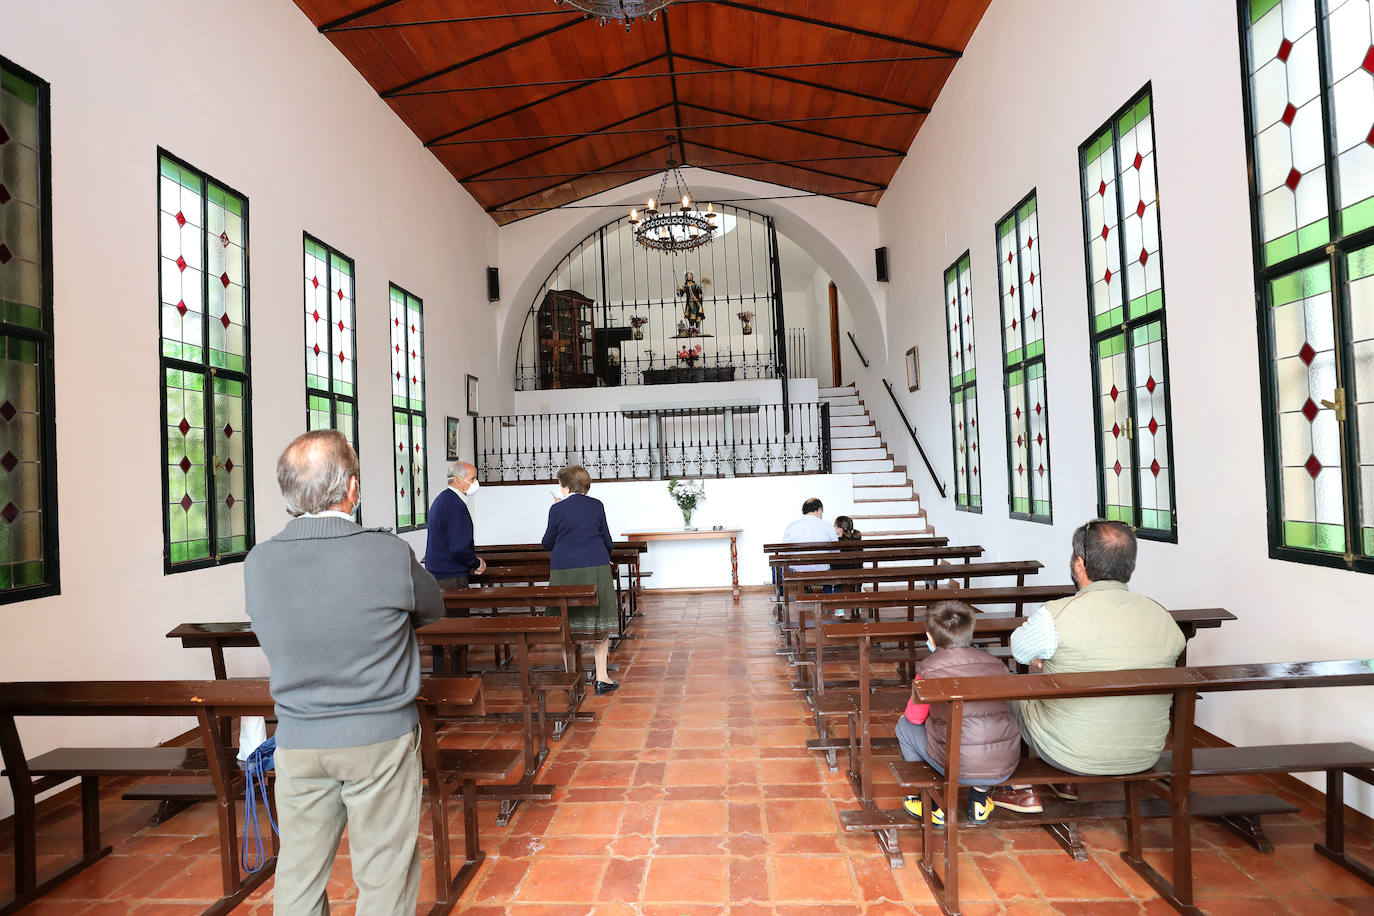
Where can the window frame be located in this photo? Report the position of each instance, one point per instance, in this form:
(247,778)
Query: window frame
(43,339)
(411,412)
(210,372)
(1023,366)
(1128,325)
(330,395)
(960,391)
(1333,253)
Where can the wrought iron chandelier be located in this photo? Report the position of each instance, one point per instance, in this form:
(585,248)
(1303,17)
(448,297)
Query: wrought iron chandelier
(664,228)
(625,10)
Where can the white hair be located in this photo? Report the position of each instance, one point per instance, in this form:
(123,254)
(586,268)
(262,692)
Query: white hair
(457,469)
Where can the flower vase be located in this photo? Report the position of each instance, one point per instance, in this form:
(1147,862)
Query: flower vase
(748,329)
(639,333)
(687,518)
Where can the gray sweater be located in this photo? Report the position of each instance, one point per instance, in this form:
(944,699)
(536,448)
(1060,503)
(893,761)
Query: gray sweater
(334,606)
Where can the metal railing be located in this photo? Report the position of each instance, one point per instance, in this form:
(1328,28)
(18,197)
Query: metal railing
(914,438)
(650,443)
(796,353)
(863,359)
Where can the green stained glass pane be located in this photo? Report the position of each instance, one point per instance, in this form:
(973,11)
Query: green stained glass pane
(1020,505)
(23,471)
(1354,218)
(1314,235)
(1259,7)
(1014,357)
(1281,248)
(186,454)
(1015,378)
(1369,542)
(1042,508)
(1360,264)
(1120,514)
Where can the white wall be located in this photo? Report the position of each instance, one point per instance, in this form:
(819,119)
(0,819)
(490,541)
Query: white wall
(252,94)
(762,506)
(1029,89)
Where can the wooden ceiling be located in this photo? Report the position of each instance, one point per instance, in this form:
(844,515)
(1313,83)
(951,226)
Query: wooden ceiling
(532,106)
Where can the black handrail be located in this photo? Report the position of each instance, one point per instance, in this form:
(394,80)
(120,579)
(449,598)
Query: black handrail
(902,413)
(863,359)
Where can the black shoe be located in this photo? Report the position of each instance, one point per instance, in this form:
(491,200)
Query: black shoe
(606,687)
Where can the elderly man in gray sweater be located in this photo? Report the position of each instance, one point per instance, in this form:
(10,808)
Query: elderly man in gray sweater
(335,606)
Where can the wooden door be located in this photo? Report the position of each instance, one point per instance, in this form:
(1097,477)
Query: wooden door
(834,336)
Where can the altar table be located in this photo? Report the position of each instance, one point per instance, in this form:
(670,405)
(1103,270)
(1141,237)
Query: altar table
(695,534)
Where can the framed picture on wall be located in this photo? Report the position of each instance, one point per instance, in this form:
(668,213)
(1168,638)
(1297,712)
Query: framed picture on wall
(452,439)
(472,395)
(913,370)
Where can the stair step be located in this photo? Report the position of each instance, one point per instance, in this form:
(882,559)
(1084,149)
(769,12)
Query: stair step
(849,399)
(853,432)
(857,454)
(890,477)
(851,443)
(848,410)
(875,508)
(902,533)
(842,391)
(859,467)
(853,420)
(901,490)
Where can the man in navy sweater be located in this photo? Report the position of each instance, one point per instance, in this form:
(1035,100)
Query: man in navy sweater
(450,555)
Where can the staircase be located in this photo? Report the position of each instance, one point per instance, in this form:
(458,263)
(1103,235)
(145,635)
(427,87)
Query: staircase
(885,503)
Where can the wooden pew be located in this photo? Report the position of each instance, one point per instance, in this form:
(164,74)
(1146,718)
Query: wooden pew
(872,544)
(909,636)
(794,634)
(874,557)
(625,563)
(793,581)
(523,633)
(1183,762)
(208,702)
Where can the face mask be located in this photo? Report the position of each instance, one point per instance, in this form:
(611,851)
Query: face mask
(930,644)
(473,487)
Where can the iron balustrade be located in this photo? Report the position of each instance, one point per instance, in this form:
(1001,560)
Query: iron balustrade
(656,443)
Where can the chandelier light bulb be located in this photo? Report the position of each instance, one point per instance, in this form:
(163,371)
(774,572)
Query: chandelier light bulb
(650,208)
(686,202)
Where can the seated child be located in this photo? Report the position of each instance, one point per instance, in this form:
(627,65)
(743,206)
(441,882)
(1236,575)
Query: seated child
(845,531)
(991,740)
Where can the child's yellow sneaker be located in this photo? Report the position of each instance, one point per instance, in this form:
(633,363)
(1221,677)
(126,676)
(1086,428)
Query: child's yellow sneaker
(912,805)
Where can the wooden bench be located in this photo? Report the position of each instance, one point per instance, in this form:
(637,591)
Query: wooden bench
(1177,767)
(444,636)
(794,633)
(921,540)
(527,600)
(867,639)
(874,557)
(208,702)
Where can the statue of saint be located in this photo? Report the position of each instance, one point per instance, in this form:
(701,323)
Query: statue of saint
(693,311)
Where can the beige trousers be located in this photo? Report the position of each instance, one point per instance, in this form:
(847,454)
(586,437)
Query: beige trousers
(375,790)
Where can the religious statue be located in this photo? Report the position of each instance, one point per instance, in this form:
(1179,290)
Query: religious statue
(693,311)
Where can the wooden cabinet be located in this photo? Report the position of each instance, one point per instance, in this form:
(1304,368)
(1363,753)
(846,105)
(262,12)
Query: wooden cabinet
(566,340)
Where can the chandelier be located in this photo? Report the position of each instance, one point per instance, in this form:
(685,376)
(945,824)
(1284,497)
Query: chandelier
(663,228)
(625,10)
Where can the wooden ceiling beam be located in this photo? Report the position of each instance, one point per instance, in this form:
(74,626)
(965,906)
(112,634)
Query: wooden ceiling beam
(610,165)
(359,14)
(714,71)
(840,27)
(713,165)
(672,82)
(919,109)
(872,185)
(573,139)
(494,52)
(414,23)
(747,122)
(789,124)
(442,138)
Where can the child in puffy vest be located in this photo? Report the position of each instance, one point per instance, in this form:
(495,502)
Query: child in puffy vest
(990,745)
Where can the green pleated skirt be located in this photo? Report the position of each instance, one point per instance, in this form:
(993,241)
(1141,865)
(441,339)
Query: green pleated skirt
(590,622)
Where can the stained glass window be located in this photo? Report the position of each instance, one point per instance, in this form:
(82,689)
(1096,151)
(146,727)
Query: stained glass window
(408,408)
(331,395)
(1023,363)
(1126,321)
(963,385)
(203,270)
(28,473)
(1310,106)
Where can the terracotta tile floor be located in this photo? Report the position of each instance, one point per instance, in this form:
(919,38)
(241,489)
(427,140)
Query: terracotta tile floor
(693,793)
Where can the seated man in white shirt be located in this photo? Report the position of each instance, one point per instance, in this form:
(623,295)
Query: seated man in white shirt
(810,528)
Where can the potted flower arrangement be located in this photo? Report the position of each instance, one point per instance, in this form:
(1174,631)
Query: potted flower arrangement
(689,355)
(687,494)
(638,322)
(746,318)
